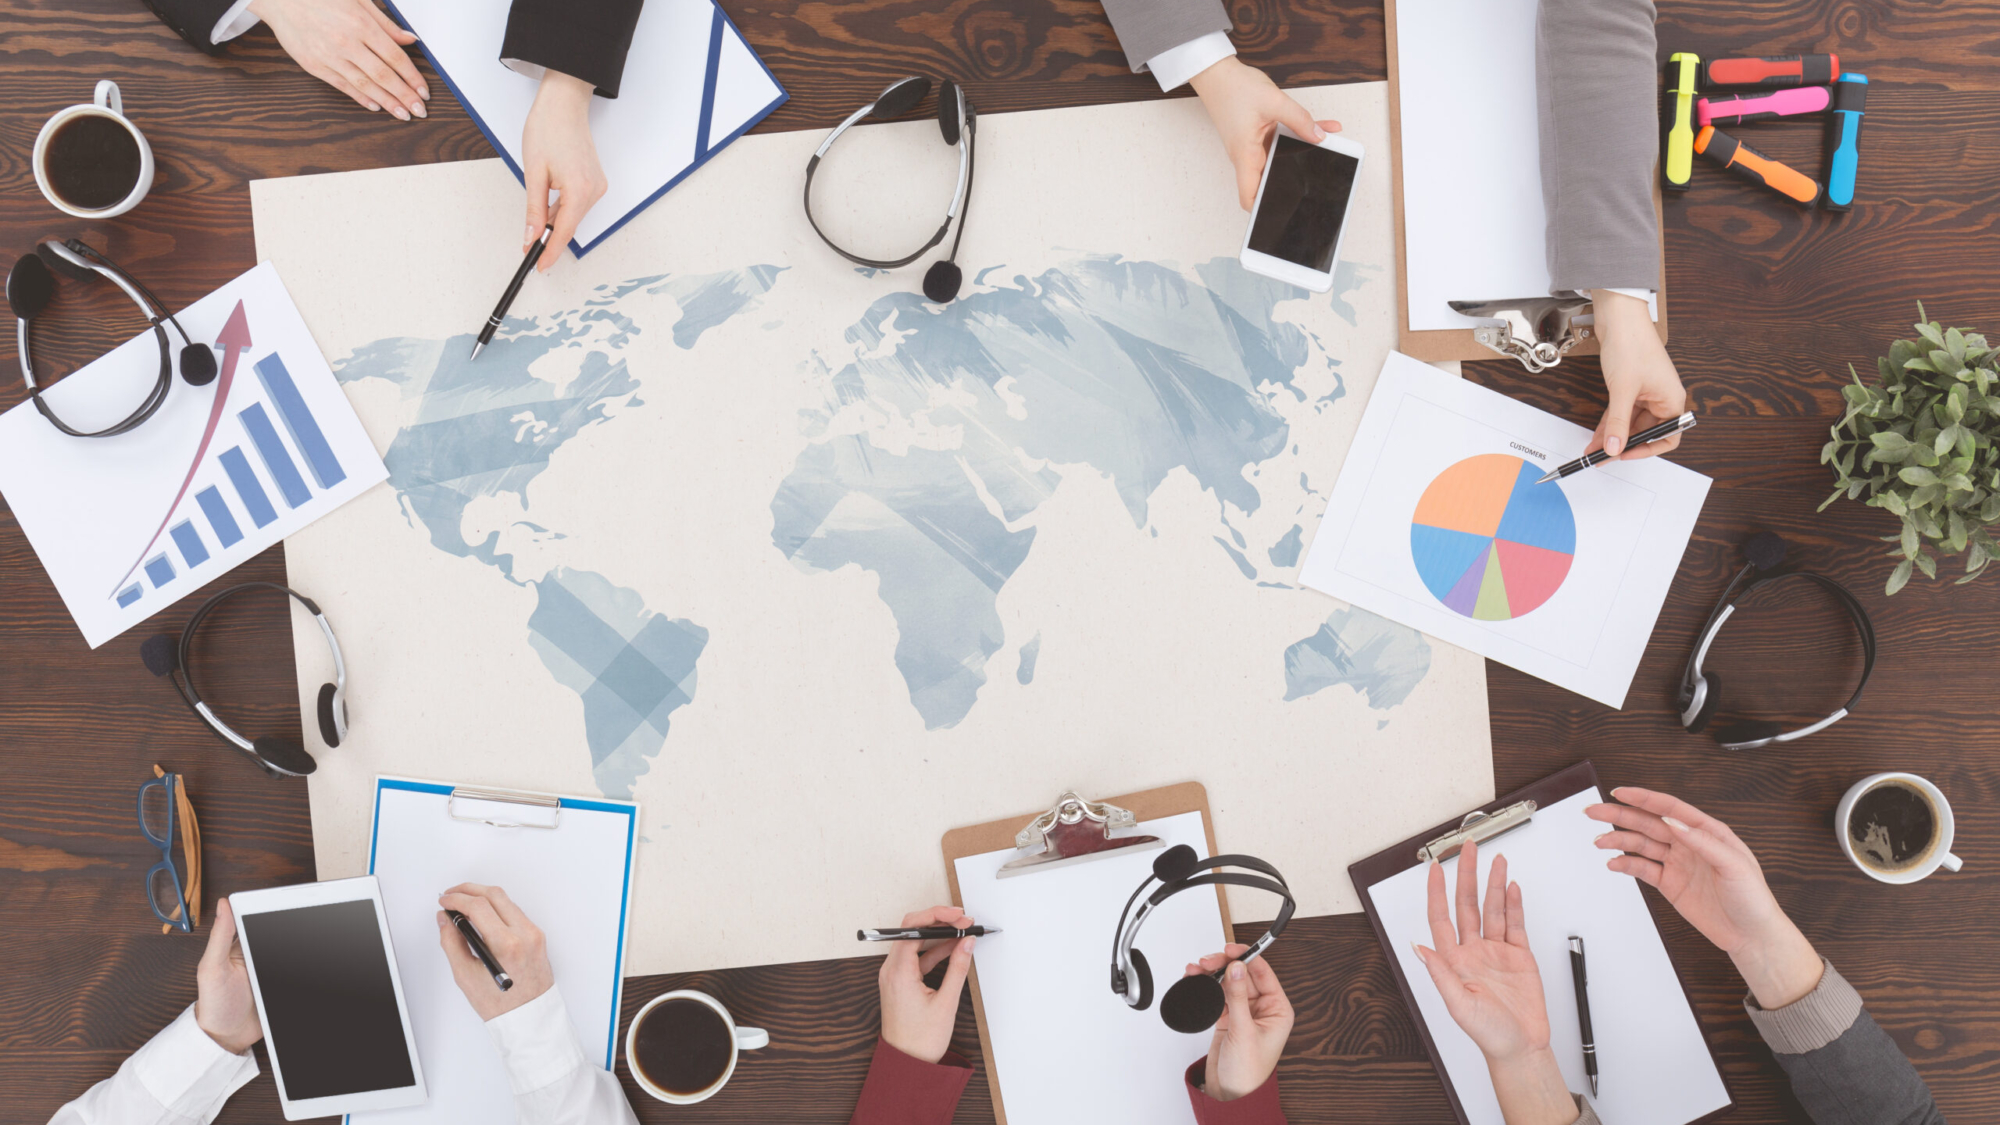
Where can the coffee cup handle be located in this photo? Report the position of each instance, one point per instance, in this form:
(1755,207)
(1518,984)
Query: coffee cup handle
(107,97)
(751,1038)
(1951,862)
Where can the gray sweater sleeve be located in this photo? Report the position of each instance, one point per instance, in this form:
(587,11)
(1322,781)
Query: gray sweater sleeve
(1844,1068)
(1147,27)
(1597,85)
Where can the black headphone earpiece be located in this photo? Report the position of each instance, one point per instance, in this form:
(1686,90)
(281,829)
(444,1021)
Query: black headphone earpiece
(947,111)
(197,364)
(329,730)
(1765,550)
(1175,864)
(1143,974)
(901,98)
(942,280)
(158,653)
(284,754)
(1748,730)
(1193,1004)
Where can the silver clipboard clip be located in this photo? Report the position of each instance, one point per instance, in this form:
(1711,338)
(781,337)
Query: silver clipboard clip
(524,810)
(1477,828)
(1538,331)
(1073,830)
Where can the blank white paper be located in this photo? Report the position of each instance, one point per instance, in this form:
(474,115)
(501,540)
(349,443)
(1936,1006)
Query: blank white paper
(1065,1046)
(1632,523)
(1653,1064)
(570,881)
(673,110)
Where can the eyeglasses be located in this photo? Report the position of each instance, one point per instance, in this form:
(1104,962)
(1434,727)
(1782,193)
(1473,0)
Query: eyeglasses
(163,810)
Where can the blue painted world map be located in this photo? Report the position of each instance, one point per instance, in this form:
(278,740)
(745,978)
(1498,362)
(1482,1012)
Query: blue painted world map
(1134,369)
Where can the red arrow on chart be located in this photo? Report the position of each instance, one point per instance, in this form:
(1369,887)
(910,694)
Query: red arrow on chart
(234,340)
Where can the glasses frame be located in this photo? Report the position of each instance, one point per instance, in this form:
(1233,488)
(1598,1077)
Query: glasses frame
(180,822)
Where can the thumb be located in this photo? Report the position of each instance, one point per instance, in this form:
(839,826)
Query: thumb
(1236,997)
(1296,118)
(1617,425)
(1448,984)
(954,973)
(221,934)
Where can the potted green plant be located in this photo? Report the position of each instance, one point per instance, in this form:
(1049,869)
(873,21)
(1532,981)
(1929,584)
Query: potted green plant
(1919,443)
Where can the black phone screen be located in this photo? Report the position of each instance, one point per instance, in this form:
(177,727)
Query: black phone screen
(1304,203)
(329,1001)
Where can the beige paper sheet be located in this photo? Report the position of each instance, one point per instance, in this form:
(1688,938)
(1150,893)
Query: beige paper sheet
(937,564)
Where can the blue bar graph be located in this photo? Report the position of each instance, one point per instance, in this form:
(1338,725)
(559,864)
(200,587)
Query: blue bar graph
(129,595)
(247,488)
(277,461)
(189,541)
(159,570)
(299,421)
(220,519)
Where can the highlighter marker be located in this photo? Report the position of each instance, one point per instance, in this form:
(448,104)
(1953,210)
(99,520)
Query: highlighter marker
(1755,166)
(1772,70)
(1677,167)
(1762,107)
(1850,99)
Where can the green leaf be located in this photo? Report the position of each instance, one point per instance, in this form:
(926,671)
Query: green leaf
(1956,482)
(1946,438)
(1924,495)
(1917,474)
(1892,502)
(1909,538)
(1829,500)
(1954,342)
(1928,565)
(1899,578)
(1929,331)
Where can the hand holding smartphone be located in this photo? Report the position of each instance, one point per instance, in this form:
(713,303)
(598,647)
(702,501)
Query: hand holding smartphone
(1301,211)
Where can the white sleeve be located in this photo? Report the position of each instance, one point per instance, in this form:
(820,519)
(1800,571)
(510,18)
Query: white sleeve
(1176,65)
(234,22)
(180,1077)
(1640,294)
(554,1083)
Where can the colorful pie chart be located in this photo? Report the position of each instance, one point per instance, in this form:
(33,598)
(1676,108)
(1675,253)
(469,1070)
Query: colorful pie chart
(1489,542)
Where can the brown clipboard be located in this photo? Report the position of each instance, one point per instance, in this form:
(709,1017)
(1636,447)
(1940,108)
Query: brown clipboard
(1457,343)
(996,835)
(1393,861)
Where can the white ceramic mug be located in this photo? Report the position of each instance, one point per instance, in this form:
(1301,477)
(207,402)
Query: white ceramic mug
(740,1039)
(105,103)
(1940,853)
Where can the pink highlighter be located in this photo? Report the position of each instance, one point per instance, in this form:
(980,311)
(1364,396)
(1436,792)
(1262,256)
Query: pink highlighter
(1760,107)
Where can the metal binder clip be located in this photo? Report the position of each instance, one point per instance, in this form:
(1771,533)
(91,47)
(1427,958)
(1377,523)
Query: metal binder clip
(1477,828)
(1071,831)
(523,810)
(1538,331)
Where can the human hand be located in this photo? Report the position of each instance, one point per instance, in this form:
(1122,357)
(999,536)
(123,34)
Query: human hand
(1256,1021)
(223,1005)
(352,46)
(916,1019)
(514,941)
(1712,878)
(1645,388)
(1247,107)
(558,154)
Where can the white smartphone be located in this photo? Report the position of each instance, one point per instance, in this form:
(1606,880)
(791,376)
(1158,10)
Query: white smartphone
(1301,212)
(328,995)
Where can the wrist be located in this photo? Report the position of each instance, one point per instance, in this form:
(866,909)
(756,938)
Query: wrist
(1529,1086)
(557,87)
(236,1043)
(1780,967)
(1213,75)
(922,1052)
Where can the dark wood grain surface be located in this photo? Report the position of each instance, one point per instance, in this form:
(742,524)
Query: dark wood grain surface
(1770,305)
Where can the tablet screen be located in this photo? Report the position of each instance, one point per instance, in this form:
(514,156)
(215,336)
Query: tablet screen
(329,1002)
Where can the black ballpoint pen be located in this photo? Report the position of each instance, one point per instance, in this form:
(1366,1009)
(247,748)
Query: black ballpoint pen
(1643,437)
(479,949)
(923,933)
(513,289)
(1577,971)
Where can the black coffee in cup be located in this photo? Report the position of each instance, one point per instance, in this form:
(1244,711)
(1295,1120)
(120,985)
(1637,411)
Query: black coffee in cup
(92,162)
(1893,827)
(683,1047)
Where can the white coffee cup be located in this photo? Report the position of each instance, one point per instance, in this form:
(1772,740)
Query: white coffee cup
(740,1039)
(1939,855)
(106,103)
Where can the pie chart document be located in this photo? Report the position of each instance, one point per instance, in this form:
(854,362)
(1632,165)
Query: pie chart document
(1437,521)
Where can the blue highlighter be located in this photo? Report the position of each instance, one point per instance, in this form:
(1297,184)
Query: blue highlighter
(1850,100)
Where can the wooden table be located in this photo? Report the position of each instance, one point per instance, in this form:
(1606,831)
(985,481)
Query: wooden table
(1769,306)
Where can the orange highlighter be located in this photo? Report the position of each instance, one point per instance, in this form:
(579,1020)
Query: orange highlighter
(1678,166)
(1755,166)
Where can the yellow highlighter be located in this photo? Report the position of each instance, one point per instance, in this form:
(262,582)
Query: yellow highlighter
(1677,168)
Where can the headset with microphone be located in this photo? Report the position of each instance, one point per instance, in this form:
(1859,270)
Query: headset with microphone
(30,288)
(1700,692)
(279,756)
(959,124)
(1193,1003)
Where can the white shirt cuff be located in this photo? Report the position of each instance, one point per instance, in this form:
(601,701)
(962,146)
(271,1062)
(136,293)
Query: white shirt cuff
(1637,294)
(1174,66)
(537,1042)
(188,1072)
(234,22)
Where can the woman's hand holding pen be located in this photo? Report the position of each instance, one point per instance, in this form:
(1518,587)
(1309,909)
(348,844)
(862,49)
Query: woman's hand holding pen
(917,1019)
(1247,107)
(1713,879)
(557,154)
(1645,388)
(513,940)
(1493,990)
(1256,1022)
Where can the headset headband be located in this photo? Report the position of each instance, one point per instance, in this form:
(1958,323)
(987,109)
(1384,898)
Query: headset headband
(1193,1003)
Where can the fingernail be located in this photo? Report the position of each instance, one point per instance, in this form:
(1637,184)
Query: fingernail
(399,113)
(418,109)
(1418,950)
(1236,970)
(1599,836)
(1319,134)
(373,108)
(1677,825)
(424,93)
(1614,445)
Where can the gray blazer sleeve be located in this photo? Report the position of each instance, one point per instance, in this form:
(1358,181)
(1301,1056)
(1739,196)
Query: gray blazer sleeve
(1844,1068)
(1599,115)
(1147,27)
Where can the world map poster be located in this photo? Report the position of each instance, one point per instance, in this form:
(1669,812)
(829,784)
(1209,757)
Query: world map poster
(816,569)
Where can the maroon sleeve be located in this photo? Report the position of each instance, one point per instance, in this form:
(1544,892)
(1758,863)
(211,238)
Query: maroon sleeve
(1258,1107)
(904,1091)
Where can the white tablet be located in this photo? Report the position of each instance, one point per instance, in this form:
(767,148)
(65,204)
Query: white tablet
(324,974)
